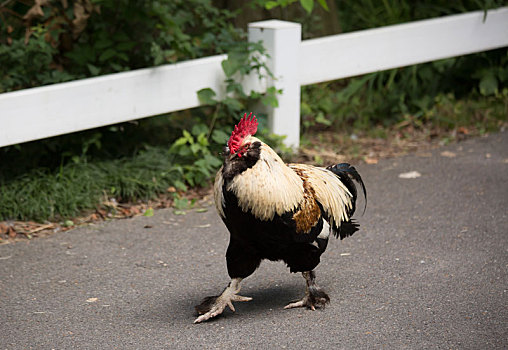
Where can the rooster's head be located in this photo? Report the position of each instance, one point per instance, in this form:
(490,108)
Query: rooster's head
(239,141)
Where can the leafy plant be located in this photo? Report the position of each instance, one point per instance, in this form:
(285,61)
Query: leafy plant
(54,41)
(307,5)
(388,97)
(193,151)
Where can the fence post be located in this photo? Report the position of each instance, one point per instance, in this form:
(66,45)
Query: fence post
(282,41)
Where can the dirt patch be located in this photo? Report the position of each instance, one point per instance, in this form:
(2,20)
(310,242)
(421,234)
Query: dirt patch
(327,148)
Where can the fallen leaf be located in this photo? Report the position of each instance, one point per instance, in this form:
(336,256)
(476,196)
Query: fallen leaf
(148,212)
(463,130)
(448,154)
(135,210)
(41,228)
(204,226)
(35,10)
(12,233)
(369,160)
(126,211)
(410,175)
(201,210)
(91,300)
(82,10)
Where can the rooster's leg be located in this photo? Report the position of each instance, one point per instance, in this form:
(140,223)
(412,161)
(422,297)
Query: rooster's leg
(314,296)
(213,306)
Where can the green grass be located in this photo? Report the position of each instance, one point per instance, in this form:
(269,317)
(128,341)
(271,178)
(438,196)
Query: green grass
(48,195)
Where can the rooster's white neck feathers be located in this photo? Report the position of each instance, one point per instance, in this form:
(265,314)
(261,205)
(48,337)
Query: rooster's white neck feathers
(270,187)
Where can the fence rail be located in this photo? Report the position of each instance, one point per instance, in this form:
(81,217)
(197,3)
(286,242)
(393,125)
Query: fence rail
(57,109)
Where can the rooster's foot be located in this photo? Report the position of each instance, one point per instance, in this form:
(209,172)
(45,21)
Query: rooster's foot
(310,302)
(214,306)
(314,297)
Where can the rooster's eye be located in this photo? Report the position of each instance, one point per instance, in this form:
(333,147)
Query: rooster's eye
(243,149)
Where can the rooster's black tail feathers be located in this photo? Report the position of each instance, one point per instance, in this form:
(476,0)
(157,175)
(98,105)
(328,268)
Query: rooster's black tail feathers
(347,174)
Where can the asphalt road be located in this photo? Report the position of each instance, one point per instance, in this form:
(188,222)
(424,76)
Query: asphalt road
(427,270)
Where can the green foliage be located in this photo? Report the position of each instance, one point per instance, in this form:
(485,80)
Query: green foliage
(363,14)
(307,5)
(386,98)
(193,150)
(23,65)
(243,60)
(484,114)
(62,40)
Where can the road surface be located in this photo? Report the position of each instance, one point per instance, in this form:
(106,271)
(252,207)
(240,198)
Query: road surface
(427,270)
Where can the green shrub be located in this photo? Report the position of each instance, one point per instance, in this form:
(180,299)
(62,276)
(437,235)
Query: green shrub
(387,97)
(65,40)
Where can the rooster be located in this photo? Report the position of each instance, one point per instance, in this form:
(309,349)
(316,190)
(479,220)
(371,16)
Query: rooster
(277,211)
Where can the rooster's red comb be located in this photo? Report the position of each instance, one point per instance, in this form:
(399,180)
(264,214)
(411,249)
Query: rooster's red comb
(248,125)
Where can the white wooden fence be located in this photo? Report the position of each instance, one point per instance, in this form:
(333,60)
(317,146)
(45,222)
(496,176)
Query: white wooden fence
(57,109)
